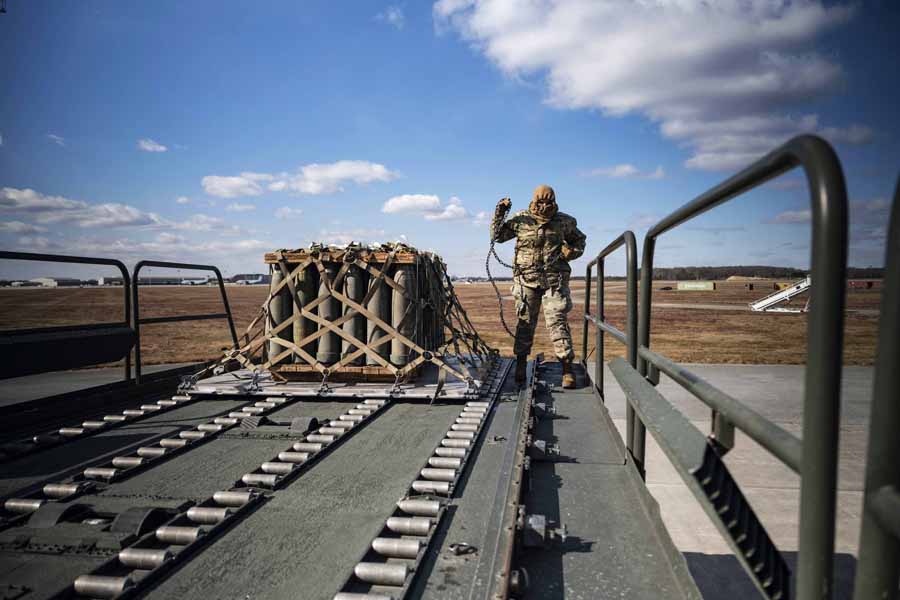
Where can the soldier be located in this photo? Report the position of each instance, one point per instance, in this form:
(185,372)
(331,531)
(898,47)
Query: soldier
(546,240)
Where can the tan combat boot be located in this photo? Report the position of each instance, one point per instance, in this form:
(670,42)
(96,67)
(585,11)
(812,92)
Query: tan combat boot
(568,378)
(521,368)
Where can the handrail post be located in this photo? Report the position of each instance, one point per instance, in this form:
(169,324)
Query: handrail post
(632,341)
(598,358)
(587,311)
(877,570)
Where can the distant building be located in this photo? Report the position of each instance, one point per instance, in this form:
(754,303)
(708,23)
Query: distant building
(52,282)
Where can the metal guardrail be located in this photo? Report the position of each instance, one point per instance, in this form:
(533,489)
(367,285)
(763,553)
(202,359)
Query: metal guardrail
(629,337)
(815,456)
(138,321)
(878,569)
(84,260)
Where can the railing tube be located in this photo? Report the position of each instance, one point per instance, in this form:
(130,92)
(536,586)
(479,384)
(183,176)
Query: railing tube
(878,569)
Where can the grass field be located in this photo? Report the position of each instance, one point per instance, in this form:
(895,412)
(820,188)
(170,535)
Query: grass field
(680,329)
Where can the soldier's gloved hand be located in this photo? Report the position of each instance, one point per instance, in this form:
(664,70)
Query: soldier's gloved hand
(567,253)
(503,206)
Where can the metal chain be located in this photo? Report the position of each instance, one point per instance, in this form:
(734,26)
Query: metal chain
(487,269)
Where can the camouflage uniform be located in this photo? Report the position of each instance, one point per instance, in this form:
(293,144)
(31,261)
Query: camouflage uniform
(541,274)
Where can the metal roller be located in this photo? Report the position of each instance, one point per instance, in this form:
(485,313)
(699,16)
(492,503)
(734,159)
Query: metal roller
(307,447)
(342,424)
(334,431)
(45,438)
(226,420)
(233,498)
(423,508)
(70,431)
(356,596)
(127,462)
(409,525)
(473,411)
(293,457)
(63,490)
(464,427)
(461,435)
(101,586)
(402,318)
(279,468)
(443,462)
(143,558)
(431,487)
(100,473)
(265,404)
(380,305)
(115,418)
(363,412)
(354,289)
(320,439)
(438,474)
(23,505)
(192,435)
(94,424)
(478,404)
(210,427)
(167,402)
(306,284)
(374,402)
(455,443)
(133,412)
(396,547)
(253,410)
(329,349)
(238,415)
(457,452)
(276,400)
(178,535)
(151,451)
(181,398)
(150,407)
(351,418)
(382,573)
(469,421)
(261,479)
(207,515)
(172,443)
(281,307)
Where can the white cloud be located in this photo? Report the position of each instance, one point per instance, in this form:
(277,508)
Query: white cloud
(327,178)
(481,219)
(20,227)
(791,217)
(454,211)
(427,205)
(407,203)
(393,16)
(286,213)
(855,135)
(182,200)
(245,184)
(201,222)
(57,139)
(238,207)
(312,179)
(30,201)
(627,170)
(148,145)
(717,76)
(37,243)
(111,214)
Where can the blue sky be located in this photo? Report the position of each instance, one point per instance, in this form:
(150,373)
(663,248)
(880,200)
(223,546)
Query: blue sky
(214,131)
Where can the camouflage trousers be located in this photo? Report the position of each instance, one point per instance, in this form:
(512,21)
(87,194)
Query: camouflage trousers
(557,302)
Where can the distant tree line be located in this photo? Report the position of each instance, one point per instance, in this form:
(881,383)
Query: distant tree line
(766,272)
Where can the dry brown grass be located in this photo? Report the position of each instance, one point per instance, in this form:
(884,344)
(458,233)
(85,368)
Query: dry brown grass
(683,334)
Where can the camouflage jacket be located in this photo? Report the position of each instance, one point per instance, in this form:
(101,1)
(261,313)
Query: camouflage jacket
(539,261)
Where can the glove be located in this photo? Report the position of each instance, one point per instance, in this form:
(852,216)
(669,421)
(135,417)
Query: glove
(503,206)
(567,253)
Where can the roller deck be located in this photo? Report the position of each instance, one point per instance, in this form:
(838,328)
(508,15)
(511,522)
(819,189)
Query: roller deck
(304,539)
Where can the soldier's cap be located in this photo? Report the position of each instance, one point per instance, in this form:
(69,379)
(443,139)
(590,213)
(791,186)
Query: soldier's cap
(544,192)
